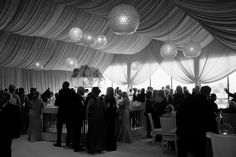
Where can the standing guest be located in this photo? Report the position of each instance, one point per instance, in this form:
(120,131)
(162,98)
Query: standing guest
(178,97)
(135,96)
(14,98)
(194,118)
(46,96)
(32,91)
(148,109)
(35,121)
(10,124)
(64,102)
(142,95)
(124,118)
(186,92)
(96,122)
(77,118)
(110,119)
(24,111)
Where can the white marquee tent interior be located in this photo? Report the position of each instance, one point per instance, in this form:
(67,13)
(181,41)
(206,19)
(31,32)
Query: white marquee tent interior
(34,31)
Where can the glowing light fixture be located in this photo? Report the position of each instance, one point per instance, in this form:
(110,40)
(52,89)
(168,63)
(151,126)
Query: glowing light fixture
(124,19)
(71,62)
(168,50)
(192,49)
(75,34)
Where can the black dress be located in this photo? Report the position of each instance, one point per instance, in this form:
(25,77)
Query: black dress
(110,117)
(95,115)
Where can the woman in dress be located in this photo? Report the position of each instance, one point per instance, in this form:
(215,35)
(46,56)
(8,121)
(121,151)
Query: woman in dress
(110,117)
(95,114)
(124,118)
(35,121)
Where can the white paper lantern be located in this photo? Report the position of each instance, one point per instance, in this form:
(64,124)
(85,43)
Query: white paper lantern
(75,34)
(124,19)
(168,50)
(71,62)
(192,49)
(88,38)
(38,66)
(100,41)
(135,65)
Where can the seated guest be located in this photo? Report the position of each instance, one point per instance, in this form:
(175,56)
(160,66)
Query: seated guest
(170,112)
(10,124)
(159,104)
(214,105)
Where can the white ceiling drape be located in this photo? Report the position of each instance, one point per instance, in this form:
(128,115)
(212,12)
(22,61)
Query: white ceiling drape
(215,62)
(37,31)
(28,78)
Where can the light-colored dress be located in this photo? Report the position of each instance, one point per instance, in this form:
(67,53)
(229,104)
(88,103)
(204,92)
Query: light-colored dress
(35,120)
(124,119)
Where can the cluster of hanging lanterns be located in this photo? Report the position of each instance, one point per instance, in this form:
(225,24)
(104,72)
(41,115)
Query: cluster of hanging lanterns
(38,66)
(87,38)
(124,20)
(190,50)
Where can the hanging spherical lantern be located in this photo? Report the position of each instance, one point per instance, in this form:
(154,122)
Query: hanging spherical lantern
(168,50)
(75,34)
(88,38)
(135,65)
(100,41)
(38,66)
(71,62)
(124,19)
(192,49)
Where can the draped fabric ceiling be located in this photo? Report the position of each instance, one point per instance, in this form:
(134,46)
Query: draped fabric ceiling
(37,31)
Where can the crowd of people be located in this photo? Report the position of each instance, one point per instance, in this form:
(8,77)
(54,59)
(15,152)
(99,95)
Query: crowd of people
(109,115)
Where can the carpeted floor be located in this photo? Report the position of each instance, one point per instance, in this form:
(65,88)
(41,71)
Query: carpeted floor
(139,148)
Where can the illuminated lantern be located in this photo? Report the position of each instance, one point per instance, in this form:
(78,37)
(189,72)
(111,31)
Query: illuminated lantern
(168,50)
(75,34)
(71,62)
(135,65)
(124,19)
(192,49)
(88,38)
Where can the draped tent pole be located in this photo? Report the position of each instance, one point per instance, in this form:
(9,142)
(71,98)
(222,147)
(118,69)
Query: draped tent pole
(196,71)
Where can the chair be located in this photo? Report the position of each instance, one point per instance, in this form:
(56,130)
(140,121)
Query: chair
(154,132)
(168,126)
(223,145)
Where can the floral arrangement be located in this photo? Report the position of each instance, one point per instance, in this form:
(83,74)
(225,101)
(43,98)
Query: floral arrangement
(86,71)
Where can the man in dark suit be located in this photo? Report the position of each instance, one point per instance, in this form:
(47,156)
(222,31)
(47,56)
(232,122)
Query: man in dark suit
(194,118)
(77,118)
(64,102)
(10,124)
